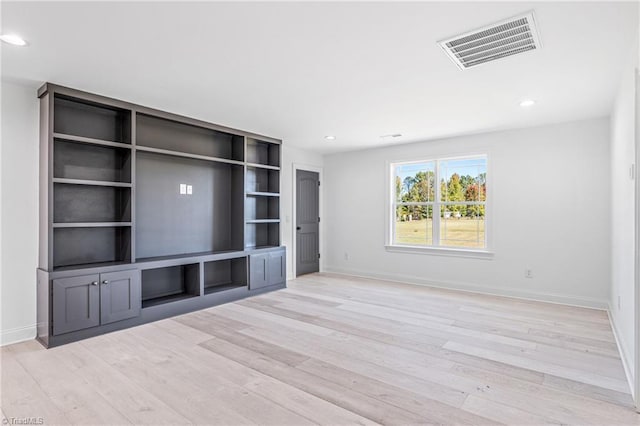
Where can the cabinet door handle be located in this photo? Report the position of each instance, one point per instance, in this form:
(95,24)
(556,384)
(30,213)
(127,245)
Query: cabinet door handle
(105,282)
(94,282)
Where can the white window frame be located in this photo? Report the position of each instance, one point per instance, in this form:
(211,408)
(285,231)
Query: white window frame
(479,253)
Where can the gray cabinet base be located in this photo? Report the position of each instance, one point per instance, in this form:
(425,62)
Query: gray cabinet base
(156,313)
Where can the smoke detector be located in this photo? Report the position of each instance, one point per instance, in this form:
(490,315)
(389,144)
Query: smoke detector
(496,41)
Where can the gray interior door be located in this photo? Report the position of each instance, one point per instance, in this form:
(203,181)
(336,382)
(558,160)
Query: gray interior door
(307,221)
(76,303)
(119,296)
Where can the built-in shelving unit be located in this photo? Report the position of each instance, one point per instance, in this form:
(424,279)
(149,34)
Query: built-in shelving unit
(181,211)
(262,196)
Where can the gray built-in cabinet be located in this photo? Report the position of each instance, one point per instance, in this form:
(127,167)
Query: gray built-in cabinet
(146,215)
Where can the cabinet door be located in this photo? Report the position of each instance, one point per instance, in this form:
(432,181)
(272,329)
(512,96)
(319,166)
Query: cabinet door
(119,296)
(76,303)
(258,271)
(277,267)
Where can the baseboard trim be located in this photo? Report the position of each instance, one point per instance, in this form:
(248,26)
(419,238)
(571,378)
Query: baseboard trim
(626,362)
(17,335)
(583,302)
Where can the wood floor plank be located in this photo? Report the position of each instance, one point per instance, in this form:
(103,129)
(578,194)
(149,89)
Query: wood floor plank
(371,408)
(68,391)
(543,367)
(138,406)
(334,350)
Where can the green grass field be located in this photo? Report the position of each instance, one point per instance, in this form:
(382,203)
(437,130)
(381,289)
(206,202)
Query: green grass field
(453,232)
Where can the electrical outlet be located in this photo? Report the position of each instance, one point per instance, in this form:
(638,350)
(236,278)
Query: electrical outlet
(346,256)
(528,273)
(618,302)
(189,189)
(183,188)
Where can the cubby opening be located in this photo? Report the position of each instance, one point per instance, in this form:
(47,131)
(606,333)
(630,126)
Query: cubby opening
(160,133)
(169,223)
(73,160)
(262,235)
(263,180)
(220,275)
(266,153)
(90,203)
(258,207)
(168,284)
(83,118)
(91,246)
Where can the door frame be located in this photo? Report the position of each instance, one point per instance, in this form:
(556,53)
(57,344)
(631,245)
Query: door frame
(636,372)
(294,215)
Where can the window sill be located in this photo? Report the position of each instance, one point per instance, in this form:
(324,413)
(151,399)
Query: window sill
(443,251)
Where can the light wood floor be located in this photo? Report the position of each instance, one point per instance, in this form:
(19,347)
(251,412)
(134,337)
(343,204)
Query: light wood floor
(335,350)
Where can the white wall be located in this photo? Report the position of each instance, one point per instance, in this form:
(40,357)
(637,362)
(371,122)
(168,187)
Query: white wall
(19,217)
(550,210)
(292,156)
(623,222)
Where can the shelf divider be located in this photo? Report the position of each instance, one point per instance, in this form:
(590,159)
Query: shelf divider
(91,141)
(90,224)
(262,194)
(92,182)
(187,155)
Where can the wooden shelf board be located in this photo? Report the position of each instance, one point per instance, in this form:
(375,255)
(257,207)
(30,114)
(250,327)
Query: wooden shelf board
(263,166)
(187,155)
(222,287)
(250,221)
(166,299)
(92,182)
(262,194)
(92,141)
(90,265)
(91,224)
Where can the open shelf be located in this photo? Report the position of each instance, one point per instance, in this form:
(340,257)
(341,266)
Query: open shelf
(89,203)
(169,223)
(265,153)
(262,180)
(170,135)
(258,207)
(87,119)
(262,235)
(220,275)
(163,285)
(91,246)
(73,160)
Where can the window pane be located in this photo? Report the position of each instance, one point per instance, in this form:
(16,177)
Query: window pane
(463,179)
(462,226)
(415,182)
(414,225)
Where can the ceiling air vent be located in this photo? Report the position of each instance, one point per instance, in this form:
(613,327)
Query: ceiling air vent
(496,41)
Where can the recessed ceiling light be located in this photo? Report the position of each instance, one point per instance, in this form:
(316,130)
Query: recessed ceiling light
(527,103)
(392,135)
(13,39)
(330,138)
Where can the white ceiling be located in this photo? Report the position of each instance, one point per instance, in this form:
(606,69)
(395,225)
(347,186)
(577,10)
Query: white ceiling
(300,71)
